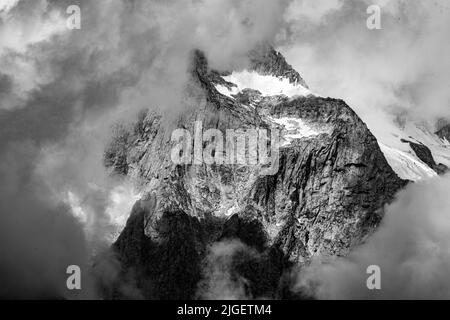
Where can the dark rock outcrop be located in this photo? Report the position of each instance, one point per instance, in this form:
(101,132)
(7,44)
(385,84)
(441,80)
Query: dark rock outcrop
(424,154)
(171,267)
(444,132)
(268,61)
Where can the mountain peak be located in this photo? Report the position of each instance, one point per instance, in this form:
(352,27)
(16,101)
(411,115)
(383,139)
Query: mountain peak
(264,60)
(267,61)
(324,193)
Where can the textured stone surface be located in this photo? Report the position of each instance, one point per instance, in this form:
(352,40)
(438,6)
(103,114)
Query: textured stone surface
(267,61)
(326,197)
(444,132)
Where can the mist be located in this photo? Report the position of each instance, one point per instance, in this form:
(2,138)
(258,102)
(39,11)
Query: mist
(220,281)
(400,69)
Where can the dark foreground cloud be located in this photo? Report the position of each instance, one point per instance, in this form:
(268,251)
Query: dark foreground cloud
(39,236)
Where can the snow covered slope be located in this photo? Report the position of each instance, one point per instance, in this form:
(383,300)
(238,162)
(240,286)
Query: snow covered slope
(394,141)
(267,85)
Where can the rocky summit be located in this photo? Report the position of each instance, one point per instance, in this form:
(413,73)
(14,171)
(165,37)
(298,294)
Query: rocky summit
(325,195)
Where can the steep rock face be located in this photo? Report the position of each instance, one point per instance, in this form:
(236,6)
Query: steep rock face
(333,185)
(326,195)
(167,268)
(267,61)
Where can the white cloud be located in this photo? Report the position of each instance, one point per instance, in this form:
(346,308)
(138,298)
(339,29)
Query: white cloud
(312,11)
(401,68)
(20,30)
(7,5)
(19,33)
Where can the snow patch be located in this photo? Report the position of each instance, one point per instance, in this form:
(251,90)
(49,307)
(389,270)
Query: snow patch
(406,165)
(266,84)
(225,91)
(295,128)
(402,158)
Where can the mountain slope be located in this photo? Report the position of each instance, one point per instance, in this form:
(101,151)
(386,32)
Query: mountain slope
(413,150)
(325,195)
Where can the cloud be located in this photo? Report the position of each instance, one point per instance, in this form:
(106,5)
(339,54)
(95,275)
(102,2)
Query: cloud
(39,236)
(310,12)
(7,5)
(23,26)
(220,280)
(398,69)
